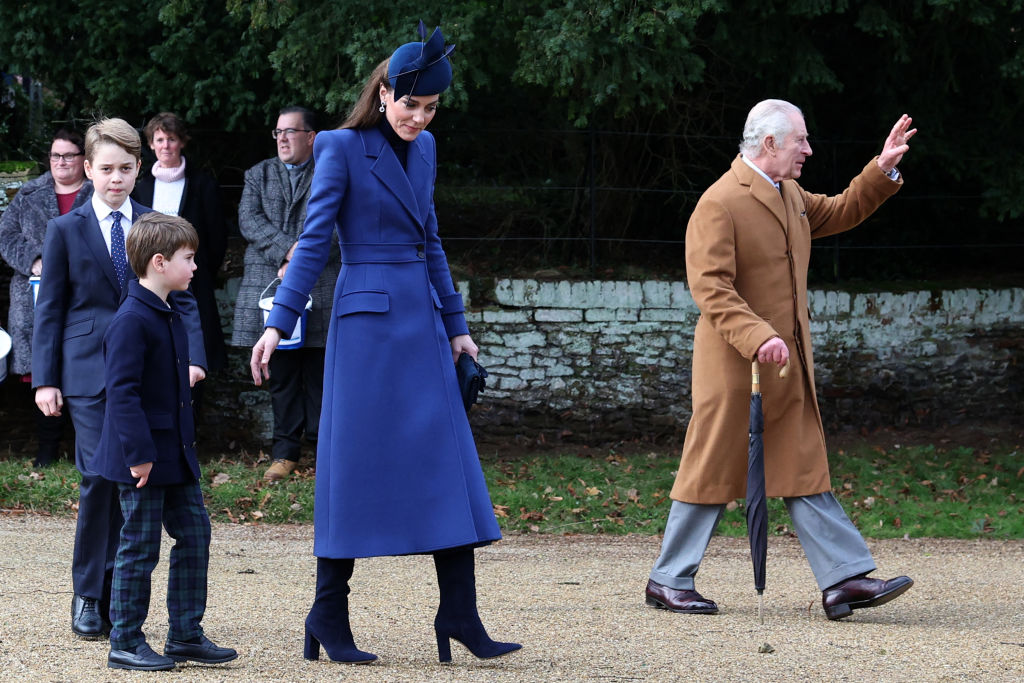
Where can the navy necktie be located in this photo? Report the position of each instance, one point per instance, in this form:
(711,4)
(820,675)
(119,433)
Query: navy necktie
(117,252)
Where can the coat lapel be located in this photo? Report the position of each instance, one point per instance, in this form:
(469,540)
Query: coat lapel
(184,195)
(284,181)
(389,170)
(421,175)
(761,190)
(302,187)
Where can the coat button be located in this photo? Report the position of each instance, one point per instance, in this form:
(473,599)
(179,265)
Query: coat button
(420,254)
(193,445)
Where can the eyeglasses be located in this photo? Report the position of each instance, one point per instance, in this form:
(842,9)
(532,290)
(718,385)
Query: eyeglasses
(64,157)
(287,132)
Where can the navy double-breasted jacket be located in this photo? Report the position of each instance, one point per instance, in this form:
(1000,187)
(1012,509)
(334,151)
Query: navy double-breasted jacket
(148,414)
(397,468)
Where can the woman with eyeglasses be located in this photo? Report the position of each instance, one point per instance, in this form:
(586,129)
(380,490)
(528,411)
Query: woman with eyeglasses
(397,469)
(178,188)
(22,228)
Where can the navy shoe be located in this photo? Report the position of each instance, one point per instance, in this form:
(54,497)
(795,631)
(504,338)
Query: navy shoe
(86,620)
(142,659)
(202,651)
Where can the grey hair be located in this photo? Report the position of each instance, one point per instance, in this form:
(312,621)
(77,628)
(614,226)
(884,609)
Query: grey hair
(767,117)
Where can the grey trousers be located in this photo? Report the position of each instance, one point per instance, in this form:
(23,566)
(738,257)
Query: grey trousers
(834,548)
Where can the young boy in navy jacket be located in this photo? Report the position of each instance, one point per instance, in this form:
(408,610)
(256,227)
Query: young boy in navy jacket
(84,276)
(148,448)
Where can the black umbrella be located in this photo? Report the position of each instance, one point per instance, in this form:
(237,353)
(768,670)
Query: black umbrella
(757,504)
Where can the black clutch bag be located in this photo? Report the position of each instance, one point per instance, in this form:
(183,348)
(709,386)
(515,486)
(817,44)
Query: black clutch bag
(472,379)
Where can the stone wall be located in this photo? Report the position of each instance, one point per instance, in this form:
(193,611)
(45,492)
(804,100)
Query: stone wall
(601,361)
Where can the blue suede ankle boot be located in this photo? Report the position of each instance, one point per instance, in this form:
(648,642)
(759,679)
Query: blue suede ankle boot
(457,617)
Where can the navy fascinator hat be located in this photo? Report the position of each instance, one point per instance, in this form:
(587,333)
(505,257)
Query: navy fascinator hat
(421,68)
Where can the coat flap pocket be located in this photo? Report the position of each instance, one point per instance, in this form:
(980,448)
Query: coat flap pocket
(160,420)
(78,328)
(362,302)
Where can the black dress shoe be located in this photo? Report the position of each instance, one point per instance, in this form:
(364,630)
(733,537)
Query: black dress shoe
(202,651)
(861,592)
(676,600)
(86,620)
(142,659)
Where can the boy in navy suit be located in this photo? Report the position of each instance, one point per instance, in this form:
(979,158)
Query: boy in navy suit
(148,448)
(86,270)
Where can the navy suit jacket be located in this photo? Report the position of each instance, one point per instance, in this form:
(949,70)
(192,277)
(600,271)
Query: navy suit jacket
(78,295)
(148,414)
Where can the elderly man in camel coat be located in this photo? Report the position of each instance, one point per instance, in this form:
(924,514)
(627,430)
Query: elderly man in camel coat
(748,244)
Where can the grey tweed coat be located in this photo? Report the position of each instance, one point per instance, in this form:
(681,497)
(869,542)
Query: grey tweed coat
(270,218)
(22,229)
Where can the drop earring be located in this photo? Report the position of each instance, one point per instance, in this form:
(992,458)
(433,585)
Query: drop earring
(381,109)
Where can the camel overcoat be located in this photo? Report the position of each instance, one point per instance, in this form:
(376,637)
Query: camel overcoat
(747,252)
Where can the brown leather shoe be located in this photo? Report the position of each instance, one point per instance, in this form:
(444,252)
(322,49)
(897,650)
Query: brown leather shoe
(675,600)
(861,592)
(279,469)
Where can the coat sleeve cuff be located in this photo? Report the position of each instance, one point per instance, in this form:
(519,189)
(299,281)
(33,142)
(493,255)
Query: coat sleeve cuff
(288,306)
(452,303)
(755,339)
(453,315)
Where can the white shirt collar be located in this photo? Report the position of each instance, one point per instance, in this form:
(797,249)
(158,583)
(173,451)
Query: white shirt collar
(761,173)
(103,211)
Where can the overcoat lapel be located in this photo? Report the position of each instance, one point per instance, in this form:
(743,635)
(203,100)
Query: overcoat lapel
(421,176)
(389,170)
(294,199)
(184,196)
(284,181)
(302,187)
(762,191)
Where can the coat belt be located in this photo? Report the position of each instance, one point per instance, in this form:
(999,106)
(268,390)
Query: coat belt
(384,252)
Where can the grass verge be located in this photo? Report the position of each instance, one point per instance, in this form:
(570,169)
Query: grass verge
(920,491)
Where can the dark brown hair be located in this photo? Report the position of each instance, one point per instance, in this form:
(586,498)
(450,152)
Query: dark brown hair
(157,233)
(308,116)
(70,135)
(168,123)
(365,112)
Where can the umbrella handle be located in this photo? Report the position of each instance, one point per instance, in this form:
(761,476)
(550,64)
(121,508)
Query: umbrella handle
(755,375)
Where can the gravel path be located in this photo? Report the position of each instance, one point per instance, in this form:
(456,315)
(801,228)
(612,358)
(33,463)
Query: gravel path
(576,603)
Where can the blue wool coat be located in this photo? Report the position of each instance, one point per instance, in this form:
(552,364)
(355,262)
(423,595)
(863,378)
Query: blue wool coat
(397,468)
(148,414)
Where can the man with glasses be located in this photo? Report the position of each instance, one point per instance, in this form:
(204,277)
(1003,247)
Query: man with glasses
(270,217)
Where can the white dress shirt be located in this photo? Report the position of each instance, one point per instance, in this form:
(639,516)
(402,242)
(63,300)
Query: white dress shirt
(107,222)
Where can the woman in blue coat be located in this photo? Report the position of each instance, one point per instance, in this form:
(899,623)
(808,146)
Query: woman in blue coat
(397,468)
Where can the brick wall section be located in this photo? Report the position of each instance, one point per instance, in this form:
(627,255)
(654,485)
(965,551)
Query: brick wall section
(601,361)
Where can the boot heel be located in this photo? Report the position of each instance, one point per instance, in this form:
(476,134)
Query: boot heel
(444,648)
(312,647)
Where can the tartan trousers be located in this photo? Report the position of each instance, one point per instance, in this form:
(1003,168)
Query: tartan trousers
(178,508)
